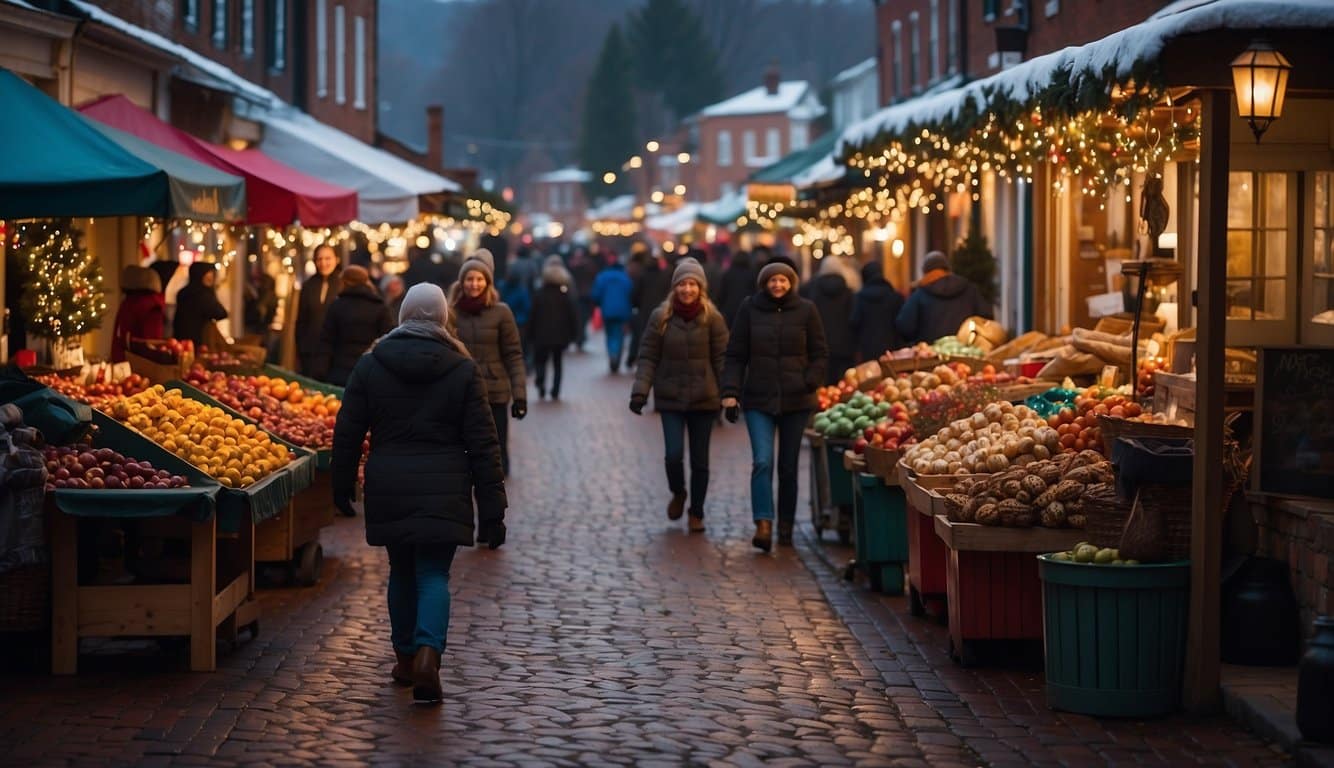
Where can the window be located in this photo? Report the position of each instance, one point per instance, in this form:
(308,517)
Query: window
(359,61)
(1257,245)
(247,28)
(801,136)
(220,24)
(724,149)
(277,27)
(989,8)
(748,147)
(190,14)
(933,44)
(773,143)
(321,48)
(1322,249)
(340,54)
(952,37)
(896,34)
(915,51)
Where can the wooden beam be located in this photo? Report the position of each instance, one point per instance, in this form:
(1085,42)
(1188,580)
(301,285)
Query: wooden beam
(203,576)
(146,609)
(64,592)
(1201,680)
(231,596)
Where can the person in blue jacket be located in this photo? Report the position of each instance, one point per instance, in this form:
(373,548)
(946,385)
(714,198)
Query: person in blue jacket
(611,294)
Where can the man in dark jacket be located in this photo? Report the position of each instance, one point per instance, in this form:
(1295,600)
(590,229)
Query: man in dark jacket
(584,267)
(317,293)
(434,452)
(650,290)
(940,303)
(423,267)
(830,294)
(555,325)
(737,283)
(354,321)
(873,313)
(197,304)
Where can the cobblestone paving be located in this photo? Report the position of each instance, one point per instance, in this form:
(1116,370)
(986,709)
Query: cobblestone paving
(600,634)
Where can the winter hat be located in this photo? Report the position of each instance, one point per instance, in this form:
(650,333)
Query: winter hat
(556,274)
(483,255)
(481,265)
(425,303)
(689,268)
(553,260)
(354,276)
(136,278)
(935,260)
(873,272)
(776,268)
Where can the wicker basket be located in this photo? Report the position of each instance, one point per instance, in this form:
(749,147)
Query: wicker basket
(1106,514)
(1113,428)
(25,598)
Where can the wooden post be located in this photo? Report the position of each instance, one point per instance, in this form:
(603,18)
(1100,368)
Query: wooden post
(1201,680)
(64,592)
(203,575)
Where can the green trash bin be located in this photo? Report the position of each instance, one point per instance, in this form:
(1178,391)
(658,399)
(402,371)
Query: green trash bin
(840,479)
(880,530)
(1114,636)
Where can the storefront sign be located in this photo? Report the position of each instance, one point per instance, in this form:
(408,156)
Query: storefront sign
(1294,416)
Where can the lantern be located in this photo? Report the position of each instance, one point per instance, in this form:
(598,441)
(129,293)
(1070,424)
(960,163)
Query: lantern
(1260,76)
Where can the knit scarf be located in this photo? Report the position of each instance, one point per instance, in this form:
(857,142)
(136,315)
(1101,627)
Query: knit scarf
(686,312)
(473,305)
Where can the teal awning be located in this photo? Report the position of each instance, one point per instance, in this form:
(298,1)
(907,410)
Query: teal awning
(196,191)
(788,168)
(53,163)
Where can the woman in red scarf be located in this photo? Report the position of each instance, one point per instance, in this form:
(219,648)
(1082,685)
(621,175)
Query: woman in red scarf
(142,313)
(681,361)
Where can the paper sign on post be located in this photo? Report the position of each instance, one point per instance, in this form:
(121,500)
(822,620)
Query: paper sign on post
(1105,304)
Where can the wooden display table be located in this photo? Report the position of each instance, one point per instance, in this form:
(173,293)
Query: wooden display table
(992,582)
(293,537)
(926,553)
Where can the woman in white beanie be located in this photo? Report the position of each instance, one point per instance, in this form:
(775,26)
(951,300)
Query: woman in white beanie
(434,450)
(681,362)
(487,327)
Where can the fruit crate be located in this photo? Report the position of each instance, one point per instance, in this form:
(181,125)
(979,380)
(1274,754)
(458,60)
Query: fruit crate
(1114,636)
(880,532)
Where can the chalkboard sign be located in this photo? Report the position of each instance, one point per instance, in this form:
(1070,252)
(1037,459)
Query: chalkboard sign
(1294,446)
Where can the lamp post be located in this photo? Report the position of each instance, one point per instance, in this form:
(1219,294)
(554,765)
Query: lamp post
(1260,77)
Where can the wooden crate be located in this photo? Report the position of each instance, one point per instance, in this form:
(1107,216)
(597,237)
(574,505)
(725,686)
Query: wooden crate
(927,557)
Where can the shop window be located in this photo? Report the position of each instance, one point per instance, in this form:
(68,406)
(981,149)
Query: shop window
(748,147)
(220,31)
(190,15)
(989,8)
(321,48)
(1322,243)
(915,51)
(277,29)
(773,144)
(359,61)
(1257,245)
(247,28)
(340,54)
(896,33)
(933,38)
(724,149)
(800,136)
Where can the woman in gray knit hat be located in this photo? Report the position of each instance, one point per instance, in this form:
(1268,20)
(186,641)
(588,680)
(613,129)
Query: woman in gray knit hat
(681,362)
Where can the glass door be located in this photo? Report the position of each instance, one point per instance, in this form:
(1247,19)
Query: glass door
(1318,304)
(1261,258)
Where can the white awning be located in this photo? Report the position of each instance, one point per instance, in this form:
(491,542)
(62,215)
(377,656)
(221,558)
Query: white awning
(387,187)
(676,222)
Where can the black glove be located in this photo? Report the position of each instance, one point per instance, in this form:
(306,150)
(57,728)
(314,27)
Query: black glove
(344,506)
(492,534)
(519,409)
(637,405)
(732,413)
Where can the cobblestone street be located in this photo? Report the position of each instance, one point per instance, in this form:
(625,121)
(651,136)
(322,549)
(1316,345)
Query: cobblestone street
(599,634)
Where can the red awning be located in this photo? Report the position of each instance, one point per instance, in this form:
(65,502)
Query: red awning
(276,194)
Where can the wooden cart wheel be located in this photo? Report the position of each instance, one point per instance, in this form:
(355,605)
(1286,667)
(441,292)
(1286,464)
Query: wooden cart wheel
(309,562)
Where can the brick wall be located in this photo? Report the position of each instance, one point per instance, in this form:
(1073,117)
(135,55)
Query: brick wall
(1304,539)
(342,110)
(895,85)
(1074,22)
(710,176)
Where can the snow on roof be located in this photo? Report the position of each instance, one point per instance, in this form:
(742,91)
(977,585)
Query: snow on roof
(621,207)
(201,64)
(758,101)
(564,176)
(854,72)
(825,169)
(675,222)
(1119,54)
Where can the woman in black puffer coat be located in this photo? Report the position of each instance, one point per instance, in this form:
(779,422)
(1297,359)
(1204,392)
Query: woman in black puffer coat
(486,326)
(681,361)
(351,325)
(776,361)
(433,452)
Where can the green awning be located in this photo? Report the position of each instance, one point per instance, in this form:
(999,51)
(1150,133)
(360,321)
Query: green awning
(53,163)
(196,191)
(787,169)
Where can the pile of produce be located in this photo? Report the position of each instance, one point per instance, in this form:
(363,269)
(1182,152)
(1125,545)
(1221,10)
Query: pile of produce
(951,346)
(846,420)
(889,434)
(993,439)
(228,449)
(98,395)
(163,351)
(1088,554)
(282,408)
(83,466)
(1148,366)
(1049,493)
(921,349)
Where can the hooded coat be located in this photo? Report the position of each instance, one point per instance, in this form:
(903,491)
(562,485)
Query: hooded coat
(776,357)
(492,337)
(433,444)
(354,321)
(555,314)
(682,362)
(833,298)
(874,313)
(310,311)
(937,307)
(197,305)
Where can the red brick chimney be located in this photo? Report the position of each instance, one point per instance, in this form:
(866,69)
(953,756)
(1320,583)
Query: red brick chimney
(435,137)
(772,77)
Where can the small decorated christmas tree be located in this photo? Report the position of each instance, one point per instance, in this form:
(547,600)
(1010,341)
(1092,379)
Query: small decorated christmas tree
(62,296)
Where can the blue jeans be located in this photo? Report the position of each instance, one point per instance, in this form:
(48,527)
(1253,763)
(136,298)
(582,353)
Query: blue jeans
(615,330)
(419,595)
(761,428)
(674,427)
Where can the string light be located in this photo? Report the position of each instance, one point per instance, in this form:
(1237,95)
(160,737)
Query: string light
(63,295)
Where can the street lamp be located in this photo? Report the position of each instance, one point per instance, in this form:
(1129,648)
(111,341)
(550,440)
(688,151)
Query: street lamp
(1260,77)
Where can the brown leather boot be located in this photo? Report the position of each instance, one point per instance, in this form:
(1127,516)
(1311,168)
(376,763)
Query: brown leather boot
(676,507)
(426,676)
(764,531)
(784,534)
(402,672)
(696,524)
